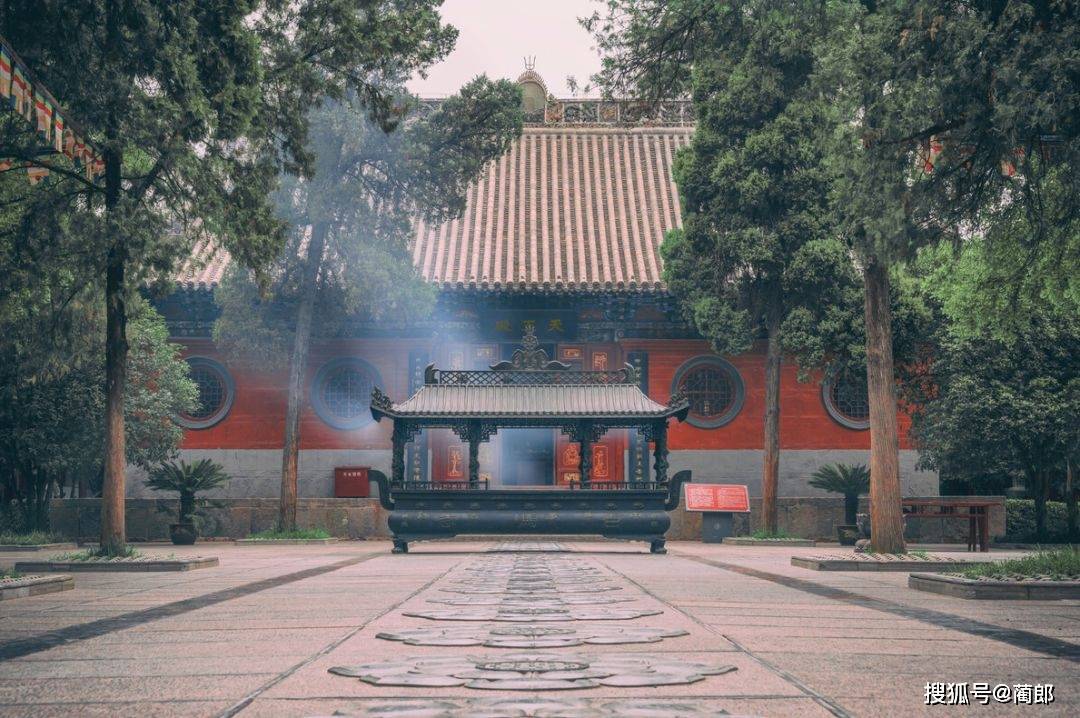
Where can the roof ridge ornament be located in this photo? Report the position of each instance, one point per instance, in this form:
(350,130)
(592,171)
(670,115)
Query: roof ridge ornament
(530,356)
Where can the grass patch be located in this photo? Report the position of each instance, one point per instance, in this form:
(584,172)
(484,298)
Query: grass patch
(30,539)
(1061,564)
(290,535)
(763,535)
(93,554)
(9,573)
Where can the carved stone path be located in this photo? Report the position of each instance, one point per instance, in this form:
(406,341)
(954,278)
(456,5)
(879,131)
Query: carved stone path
(258,635)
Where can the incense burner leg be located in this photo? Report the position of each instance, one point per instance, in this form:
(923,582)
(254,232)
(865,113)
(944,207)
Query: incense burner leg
(657,545)
(400,546)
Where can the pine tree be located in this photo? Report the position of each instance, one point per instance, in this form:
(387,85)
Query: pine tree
(197,106)
(754,251)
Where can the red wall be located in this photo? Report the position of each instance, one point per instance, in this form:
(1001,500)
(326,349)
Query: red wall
(804,422)
(257,418)
(258,413)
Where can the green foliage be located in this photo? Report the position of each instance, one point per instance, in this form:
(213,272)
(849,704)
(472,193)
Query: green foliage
(845,479)
(29,539)
(270,535)
(990,406)
(52,392)
(101,553)
(755,246)
(763,535)
(986,82)
(206,104)
(850,480)
(188,480)
(1020,524)
(1062,564)
(185,478)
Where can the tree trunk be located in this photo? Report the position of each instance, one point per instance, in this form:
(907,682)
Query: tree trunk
(851,509)
(290,455)
(187,506)
(113,533)
(887,529)
(1041,492)
(770,475)
(1073,531)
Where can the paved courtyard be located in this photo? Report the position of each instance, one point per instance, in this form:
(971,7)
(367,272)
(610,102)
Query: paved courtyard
(546,629)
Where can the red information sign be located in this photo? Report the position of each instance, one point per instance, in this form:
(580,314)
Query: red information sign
(717,497)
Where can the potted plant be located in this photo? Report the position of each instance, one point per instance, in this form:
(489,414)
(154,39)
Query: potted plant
(851,480)
(188,480)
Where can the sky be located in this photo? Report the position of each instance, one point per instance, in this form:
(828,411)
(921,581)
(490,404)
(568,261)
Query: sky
(495,36)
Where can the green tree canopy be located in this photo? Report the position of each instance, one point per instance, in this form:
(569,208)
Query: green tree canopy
(755,244)
(197,106)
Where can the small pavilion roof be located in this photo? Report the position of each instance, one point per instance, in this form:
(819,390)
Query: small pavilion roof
(529,401)
(529,387)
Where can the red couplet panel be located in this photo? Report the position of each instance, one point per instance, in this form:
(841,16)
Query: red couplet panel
(351,482)
(717,497)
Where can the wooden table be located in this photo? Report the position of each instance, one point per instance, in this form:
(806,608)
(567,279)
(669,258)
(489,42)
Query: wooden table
(977,516)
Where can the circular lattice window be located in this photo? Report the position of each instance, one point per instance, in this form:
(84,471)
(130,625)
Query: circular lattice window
(714,389)
(846,400)
(215,394)
(341,393)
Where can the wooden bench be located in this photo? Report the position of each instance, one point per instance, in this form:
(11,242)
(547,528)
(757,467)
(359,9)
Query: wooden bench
(977,515)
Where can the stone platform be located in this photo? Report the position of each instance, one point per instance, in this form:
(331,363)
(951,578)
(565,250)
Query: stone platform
(850,561)
(996,589)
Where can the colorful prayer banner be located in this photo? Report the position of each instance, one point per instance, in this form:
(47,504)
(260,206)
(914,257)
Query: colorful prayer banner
(38,107)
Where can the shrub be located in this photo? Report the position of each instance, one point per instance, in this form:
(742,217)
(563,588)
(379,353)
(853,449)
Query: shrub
(850,480)
(1020,521)
(188,480)
(92,554)
(1059,564)
(271,535)
(29,539)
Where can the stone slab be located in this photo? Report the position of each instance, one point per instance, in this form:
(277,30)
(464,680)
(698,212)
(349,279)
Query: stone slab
(154,564)
(285,542)
(878,563)
(961,587)
(14,547)
(24,586)
(750,541)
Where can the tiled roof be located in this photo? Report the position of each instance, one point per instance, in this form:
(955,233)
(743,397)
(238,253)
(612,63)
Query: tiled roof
(205,268)
(566,209)
(558,401)
(580,209)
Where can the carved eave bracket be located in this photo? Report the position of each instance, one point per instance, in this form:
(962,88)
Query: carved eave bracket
(475,431)
(680,403)
(381,405)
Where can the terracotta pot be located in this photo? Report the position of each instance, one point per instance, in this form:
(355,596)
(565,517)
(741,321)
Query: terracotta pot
(183,534)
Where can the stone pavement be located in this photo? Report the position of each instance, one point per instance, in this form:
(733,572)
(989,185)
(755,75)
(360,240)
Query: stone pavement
(567,629)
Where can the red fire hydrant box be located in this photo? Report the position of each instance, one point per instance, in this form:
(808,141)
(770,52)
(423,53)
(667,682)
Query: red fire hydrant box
(351,482)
